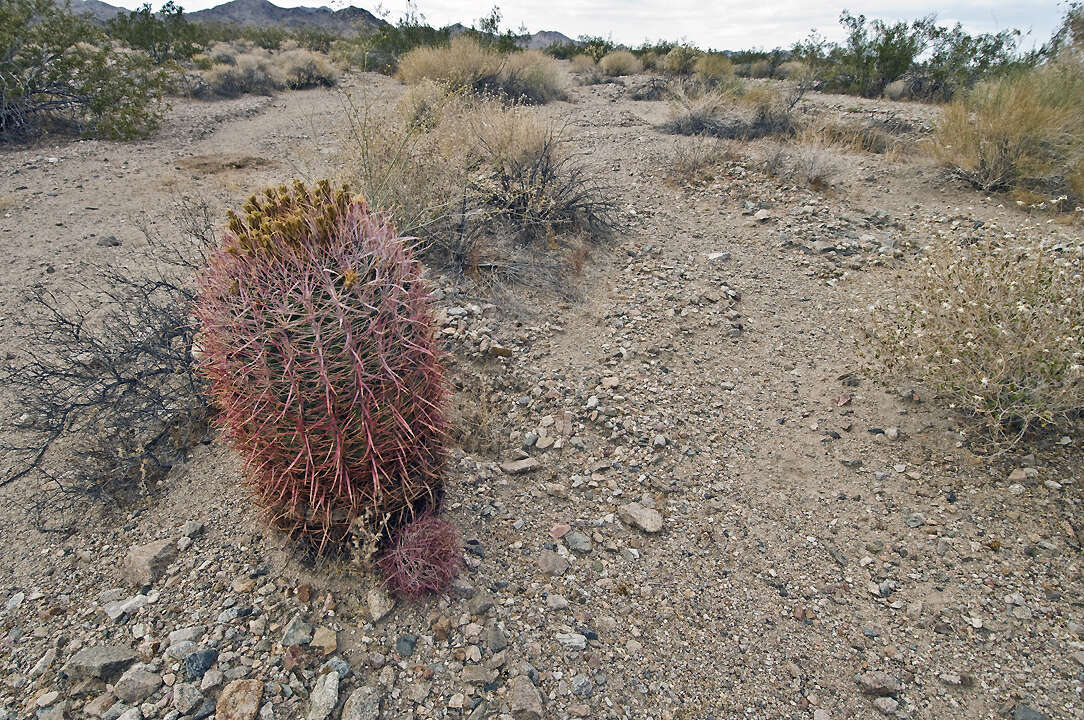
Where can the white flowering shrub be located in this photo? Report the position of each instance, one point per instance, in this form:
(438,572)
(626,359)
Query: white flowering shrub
(997,330)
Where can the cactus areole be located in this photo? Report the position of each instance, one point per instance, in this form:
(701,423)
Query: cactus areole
(318,341)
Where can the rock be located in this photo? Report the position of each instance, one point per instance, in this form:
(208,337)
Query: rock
(380,603)
(519,467)
(405,644)
(556,602)
(647,519)
(823,246)
(480,603)
(192,633)
(363,704)
(886,705)
(199,662)
(145,563)
(43,664)
(878,683)
(578,542)
(762,216)
(495,639)
(551,563)
(186,698)
(325,696)
(102,662)
(47,699)
(240,700)
(14,601)
(1017,476)
(297,632)
(211,680)
(914,520)
(325,639)
(573,640)
(582,686)
(523,699)
(1023,712)
(59,711)
(191,529)
(137,685)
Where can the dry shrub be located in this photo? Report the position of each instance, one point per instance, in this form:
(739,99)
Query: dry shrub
(300,68)
(730,111)
(465,64)
(103,395)
(713,68)
(1023,131)
(760,69)
(222,53)
(620,62)
(867,137)
(694,159)
(479,182)
(810,165)
(649,60)
(583,63)
(532,76)
(791,70)
(252,73)
(680,60)
(996,330)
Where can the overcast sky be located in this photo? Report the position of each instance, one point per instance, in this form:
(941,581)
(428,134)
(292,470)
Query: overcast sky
(720,24)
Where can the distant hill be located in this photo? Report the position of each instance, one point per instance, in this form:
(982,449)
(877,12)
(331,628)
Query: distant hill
(96,9)
(266,14)
(263,13)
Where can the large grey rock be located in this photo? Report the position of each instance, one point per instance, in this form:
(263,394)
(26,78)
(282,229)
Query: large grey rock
(145,563)
(363,704)
(137,685)
(523,699)
(325,695)
(102,662)
(240,700)
(186,698)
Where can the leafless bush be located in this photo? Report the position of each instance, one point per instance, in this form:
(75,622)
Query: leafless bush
(102,402)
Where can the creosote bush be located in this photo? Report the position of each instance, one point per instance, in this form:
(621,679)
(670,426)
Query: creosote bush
(59,72)
(997,330)
(318,344)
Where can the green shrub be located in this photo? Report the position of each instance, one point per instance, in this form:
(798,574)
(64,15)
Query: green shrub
(164,36)
(59,72)
(995,329)
(680,60)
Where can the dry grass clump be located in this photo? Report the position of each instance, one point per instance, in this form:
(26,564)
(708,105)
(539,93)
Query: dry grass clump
(531,75)
(649,60)
(695,158)
(713,67)
(996,330)
(620,62)
(1022,131)
(490,189)
(791,70)
(731,110)
(300,68)
(810,165)
(866,137)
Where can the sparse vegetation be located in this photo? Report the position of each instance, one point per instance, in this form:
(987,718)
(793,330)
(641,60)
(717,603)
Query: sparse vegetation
(713,68)
(995,329)
(680,60)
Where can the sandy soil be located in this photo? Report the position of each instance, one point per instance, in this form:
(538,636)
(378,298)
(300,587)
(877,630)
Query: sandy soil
(808,566)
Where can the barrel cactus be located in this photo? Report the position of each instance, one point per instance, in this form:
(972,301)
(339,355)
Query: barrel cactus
(318,341)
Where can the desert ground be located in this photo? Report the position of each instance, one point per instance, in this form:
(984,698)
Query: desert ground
(727,511)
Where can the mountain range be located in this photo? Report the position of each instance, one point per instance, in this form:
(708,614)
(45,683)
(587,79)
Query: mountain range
(346,21)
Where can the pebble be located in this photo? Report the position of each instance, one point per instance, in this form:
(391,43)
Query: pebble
(240,700)
(878,683)
(380,603)
(362,704)
(523,699)
(551,563)
(405,644)
(298,632)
